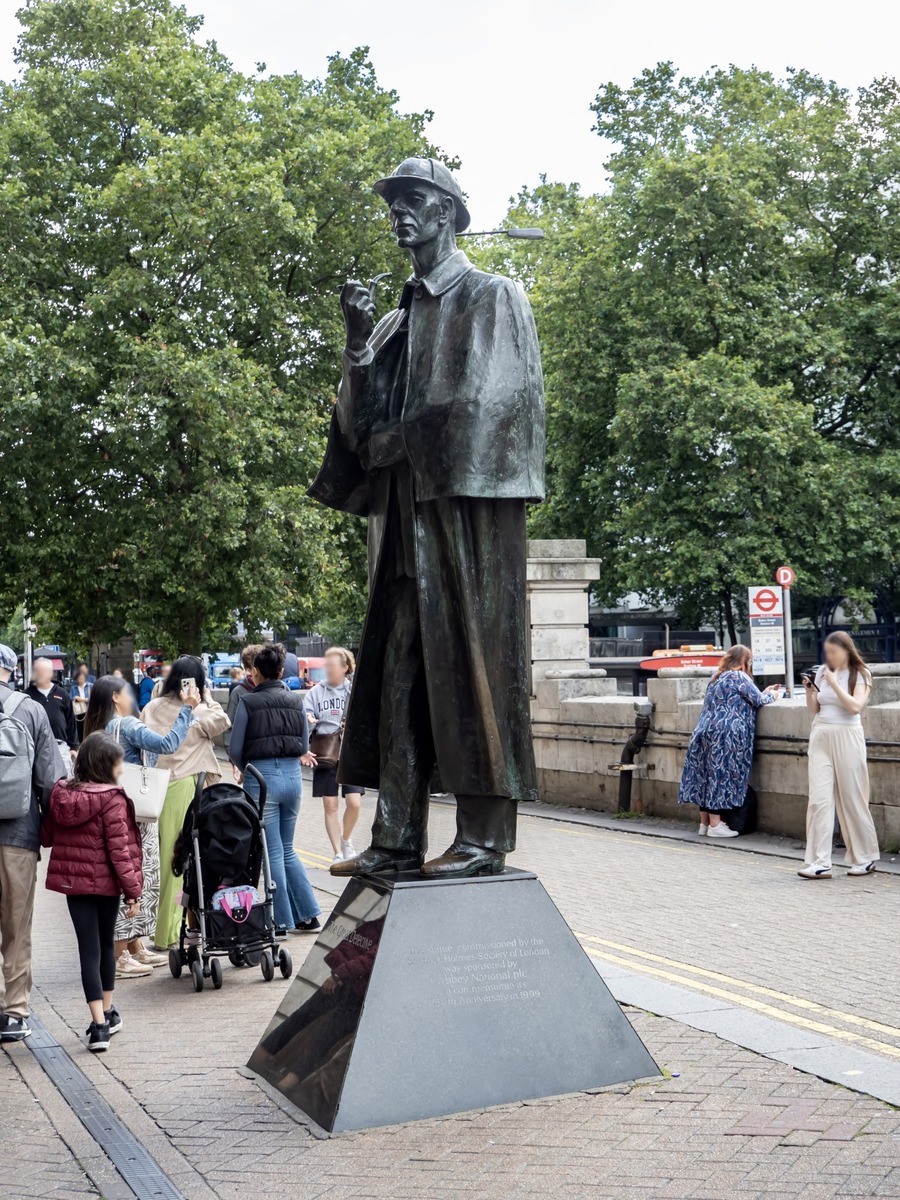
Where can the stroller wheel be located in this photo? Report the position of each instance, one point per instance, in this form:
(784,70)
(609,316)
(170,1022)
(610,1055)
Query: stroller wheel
(197,973)
(193,954)
(252,957)
(175,963)
(285,964)
(267,965)
(236,958)
(215,973)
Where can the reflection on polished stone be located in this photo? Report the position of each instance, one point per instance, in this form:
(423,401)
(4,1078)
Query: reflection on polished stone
(422,998)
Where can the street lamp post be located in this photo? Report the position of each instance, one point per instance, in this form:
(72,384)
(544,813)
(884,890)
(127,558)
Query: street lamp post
(531,235)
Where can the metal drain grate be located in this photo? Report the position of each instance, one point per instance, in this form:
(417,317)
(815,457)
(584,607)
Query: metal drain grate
(138,1168)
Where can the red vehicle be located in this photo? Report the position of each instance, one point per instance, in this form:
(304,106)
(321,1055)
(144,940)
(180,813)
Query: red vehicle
(311,671)
(144,660)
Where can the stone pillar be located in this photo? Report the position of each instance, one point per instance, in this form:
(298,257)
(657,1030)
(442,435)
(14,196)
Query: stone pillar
(559,573)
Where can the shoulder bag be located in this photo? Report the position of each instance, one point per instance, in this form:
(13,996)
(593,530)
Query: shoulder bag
(144,786)
(326,747)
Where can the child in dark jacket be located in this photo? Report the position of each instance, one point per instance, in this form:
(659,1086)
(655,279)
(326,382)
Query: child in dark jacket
(95,859)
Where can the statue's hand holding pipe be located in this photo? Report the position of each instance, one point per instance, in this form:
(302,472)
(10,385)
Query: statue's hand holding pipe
(358,307)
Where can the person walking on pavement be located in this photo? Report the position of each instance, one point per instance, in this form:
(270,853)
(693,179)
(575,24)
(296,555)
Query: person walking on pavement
(95,859)
(57,703)
(196,755)
(30,758)
(720,753)
(270,731)
(838,772)
(111,709)
(145,691)
(325,705)
(80,694)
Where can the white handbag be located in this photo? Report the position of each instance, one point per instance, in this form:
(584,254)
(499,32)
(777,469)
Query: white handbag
(144,786)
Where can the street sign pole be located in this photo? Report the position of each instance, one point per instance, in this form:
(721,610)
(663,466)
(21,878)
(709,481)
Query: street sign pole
(785,576)
(788,644)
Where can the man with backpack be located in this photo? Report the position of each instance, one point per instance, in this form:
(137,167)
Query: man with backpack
(29,766)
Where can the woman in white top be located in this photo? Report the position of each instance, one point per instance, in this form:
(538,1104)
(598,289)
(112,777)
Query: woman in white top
(838,774)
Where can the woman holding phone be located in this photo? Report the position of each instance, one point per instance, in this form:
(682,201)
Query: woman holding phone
(194,756)
(838,772)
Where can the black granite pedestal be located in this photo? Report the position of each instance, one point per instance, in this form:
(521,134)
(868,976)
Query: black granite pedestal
(421,999)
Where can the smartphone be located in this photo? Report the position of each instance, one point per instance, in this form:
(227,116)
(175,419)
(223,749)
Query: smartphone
(187,686)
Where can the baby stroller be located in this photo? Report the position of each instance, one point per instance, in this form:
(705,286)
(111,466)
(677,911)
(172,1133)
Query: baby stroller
(221,851)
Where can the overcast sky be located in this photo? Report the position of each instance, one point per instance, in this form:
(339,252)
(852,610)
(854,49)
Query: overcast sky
(511,92)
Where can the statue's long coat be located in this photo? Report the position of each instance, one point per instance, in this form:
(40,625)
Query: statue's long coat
(469,394)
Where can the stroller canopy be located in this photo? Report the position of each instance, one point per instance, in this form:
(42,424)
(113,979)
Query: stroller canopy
(226,823)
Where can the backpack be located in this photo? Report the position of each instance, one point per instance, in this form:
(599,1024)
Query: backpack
(16,761)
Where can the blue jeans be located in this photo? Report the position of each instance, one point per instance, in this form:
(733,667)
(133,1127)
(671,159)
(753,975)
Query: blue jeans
(295,900)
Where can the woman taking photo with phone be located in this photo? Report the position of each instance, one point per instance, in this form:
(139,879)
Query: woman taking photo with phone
(838,773)
(720,754)
(195,755)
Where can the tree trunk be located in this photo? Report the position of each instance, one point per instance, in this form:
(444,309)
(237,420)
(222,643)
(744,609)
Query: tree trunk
(189,633)
(729,617)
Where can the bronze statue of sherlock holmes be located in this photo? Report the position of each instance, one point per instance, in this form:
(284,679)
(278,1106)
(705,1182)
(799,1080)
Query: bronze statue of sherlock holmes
(438,438)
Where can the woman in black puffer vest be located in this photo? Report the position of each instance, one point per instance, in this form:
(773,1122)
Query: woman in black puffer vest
(270,731)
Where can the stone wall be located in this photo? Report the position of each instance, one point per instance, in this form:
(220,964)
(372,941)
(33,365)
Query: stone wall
(580,726)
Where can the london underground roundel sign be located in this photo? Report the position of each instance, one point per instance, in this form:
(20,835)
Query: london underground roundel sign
(766,600)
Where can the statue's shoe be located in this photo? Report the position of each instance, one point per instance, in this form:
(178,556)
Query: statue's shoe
(461,860)
(375,861)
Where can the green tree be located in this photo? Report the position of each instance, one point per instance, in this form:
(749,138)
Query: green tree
(173,240)
(721,334)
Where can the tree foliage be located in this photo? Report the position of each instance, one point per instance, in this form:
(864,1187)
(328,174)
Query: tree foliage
(173,238)
(721,337)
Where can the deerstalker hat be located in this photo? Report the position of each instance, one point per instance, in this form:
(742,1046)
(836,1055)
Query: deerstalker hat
(429,170)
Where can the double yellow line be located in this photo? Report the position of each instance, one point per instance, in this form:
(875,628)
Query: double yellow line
(695,978)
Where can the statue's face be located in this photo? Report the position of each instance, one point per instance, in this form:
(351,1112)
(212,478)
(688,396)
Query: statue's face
(418,213)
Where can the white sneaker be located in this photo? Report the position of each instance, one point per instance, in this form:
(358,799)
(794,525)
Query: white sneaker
(338,858)
(721,830)
(702,830)
(129,968)
(862,869)
(347,849)
(815,871)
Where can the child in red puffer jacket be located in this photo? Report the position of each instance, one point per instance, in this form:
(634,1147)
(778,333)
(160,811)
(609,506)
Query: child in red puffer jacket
(95,859)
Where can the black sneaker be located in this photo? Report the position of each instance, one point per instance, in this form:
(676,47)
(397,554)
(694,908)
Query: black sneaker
(13,1029)
(311,926)
(98,1037)
(113,1020)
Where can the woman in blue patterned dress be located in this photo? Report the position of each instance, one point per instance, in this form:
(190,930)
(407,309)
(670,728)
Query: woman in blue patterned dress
(720,754)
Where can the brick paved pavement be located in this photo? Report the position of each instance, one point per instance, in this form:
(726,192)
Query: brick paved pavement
(173,1074)
(34,1160)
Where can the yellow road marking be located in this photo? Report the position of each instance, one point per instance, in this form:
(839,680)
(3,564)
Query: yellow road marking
(305,854)
(756,1005)
(759,989)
